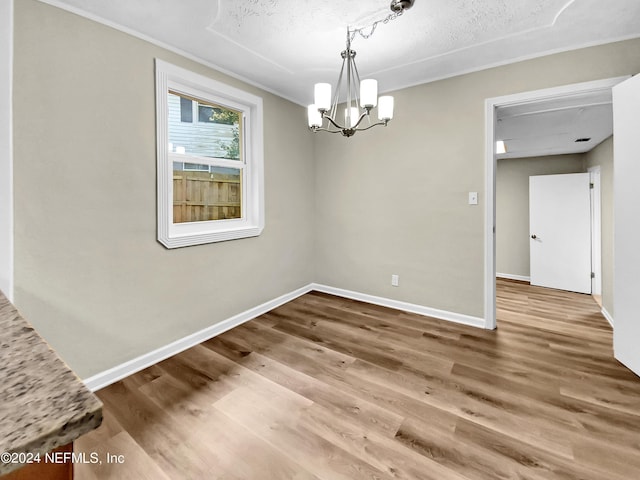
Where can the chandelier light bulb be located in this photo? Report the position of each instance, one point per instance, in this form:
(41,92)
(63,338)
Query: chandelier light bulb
(322,96)
(385,108)
(314,116)
(368,93)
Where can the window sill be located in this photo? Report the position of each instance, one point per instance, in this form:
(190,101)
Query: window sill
(186,240)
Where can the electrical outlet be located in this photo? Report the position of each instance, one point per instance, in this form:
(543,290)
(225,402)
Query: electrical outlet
(395,280)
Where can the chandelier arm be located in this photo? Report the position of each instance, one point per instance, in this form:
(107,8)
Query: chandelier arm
(349,65)
(356,81)
(320,129)
(333,122)
(336,94)
(362,115)
(383,123)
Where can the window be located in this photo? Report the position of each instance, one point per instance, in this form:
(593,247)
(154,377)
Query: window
(210,156)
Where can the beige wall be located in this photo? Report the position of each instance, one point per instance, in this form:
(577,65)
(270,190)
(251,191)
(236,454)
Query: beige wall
(602,155)
(394,200)
(6,196)
(90,274)
(512,206)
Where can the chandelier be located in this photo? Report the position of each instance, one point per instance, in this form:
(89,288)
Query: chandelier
(361,95)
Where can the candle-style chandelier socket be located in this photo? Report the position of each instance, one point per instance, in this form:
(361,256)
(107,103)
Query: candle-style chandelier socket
(361,95)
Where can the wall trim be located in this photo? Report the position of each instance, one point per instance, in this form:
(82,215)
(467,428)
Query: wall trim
(497,64)
(404,306)
(135,33)
(608,316)
(435,78)
(509,276)
(112,375)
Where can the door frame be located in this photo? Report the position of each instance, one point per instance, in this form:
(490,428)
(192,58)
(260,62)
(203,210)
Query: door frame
(596,231)
(491,104)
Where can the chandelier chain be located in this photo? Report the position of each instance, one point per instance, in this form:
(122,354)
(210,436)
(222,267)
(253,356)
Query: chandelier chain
(372,28)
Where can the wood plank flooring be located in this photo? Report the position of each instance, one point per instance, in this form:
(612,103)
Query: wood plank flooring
(329,388)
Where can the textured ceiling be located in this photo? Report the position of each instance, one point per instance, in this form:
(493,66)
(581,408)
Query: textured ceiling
(551,127)
(286,46)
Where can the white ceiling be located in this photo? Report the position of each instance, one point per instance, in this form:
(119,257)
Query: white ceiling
(285,46)
(551,127)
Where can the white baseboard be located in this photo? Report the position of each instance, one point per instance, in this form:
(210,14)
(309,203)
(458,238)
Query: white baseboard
(509,276)
(404,306)
(608,316)
(103,379)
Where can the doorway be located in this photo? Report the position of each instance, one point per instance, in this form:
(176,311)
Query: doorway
(491,108)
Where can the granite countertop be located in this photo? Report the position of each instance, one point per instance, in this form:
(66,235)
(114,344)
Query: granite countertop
(43,404)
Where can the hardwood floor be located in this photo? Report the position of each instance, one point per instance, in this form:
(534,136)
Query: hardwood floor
(329,388)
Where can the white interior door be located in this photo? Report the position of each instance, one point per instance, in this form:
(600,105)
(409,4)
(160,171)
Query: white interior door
(560,230)
(626,175)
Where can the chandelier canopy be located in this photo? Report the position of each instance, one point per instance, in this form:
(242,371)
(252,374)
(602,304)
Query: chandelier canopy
(361,95)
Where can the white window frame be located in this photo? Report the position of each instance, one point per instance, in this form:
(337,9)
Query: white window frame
(251,224)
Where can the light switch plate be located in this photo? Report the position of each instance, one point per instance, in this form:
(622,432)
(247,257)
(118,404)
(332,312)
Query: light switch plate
(473,198)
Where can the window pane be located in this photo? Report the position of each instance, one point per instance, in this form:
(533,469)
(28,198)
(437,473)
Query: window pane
(195,166)
(186,110)
(212,114)
(200,196)
(216,134)
(206,114)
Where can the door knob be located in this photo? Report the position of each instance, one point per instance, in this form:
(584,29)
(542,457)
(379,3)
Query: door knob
(534,236)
